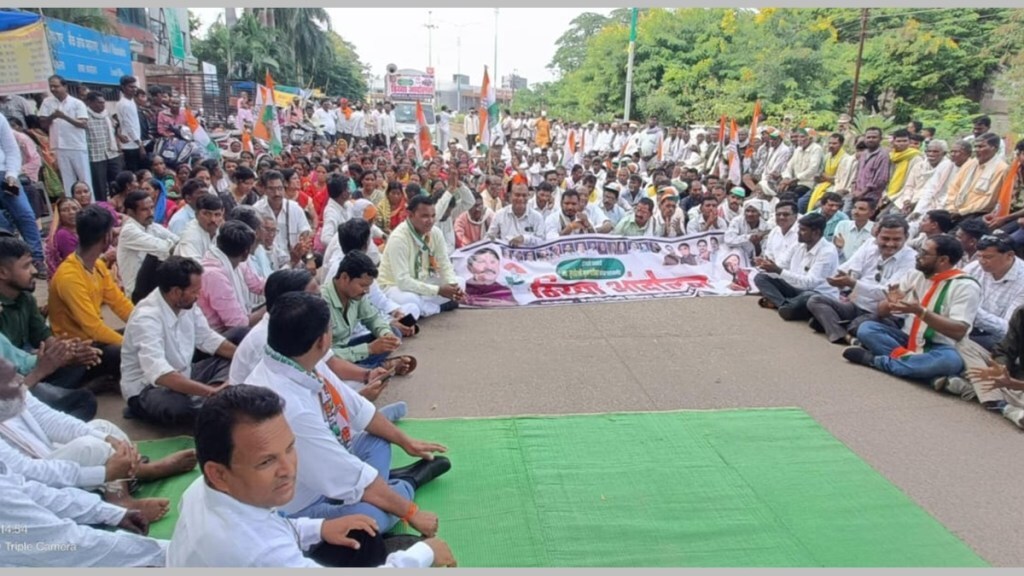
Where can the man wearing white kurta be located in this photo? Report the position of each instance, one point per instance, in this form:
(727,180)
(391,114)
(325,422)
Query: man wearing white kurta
(343,444)
(415,268)
(67,119)
(234,504)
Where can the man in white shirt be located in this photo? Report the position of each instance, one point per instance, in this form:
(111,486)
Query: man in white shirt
(708,218)
(61,516)
(543,201)
(342,441)
(336,212)
(471,127)
(939,304)
(66,117)
(294,235)
(130,132)
(141,245)
(788,286)
(250,465)
(61,451)
(159,381)
(516,223)
(806,163)
(199,234)
(322,116)
(783,238)
(191,191)
(444,130)
(865,278)
(1001,276)
(611,210)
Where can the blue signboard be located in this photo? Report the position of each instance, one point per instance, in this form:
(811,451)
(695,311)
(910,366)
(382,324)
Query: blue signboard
(84,55)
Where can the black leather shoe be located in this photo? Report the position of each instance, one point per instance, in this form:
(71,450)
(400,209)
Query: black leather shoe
(422,472)
(449,306)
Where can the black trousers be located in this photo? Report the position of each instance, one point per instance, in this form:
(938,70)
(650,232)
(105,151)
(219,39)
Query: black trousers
(78,403)
(471,141)
(791,302)
(371,552)
(103,173)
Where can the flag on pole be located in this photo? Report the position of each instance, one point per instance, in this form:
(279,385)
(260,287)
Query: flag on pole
(267,126)
(425,149)
(488,111)
(753,129)
(735,173)
(200,137)
(569,152)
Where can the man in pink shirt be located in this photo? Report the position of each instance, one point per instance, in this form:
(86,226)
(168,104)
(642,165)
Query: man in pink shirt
(30,159)
(224,297)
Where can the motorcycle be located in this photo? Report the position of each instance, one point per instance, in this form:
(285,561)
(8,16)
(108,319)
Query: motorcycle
(178,150)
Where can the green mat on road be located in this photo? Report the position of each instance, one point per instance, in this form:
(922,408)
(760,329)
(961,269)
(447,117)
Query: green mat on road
(693,489)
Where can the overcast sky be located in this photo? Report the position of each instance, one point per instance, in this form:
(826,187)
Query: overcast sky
(526,37)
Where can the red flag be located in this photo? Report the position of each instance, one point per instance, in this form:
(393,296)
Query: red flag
(721,130)
(269,81)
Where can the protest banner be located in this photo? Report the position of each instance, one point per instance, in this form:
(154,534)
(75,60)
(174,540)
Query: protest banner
(599,268)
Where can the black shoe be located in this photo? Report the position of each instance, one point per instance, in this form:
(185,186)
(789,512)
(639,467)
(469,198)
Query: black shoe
(859,355)
(449,306)
(815,325)
(422,472)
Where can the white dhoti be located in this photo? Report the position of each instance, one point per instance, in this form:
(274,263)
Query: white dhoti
(427,305)
(89,450)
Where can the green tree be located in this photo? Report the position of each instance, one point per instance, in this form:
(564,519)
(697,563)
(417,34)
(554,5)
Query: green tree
(572,44)
(94,18)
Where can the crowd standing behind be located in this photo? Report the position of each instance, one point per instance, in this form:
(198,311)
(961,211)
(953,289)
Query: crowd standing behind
(266,300)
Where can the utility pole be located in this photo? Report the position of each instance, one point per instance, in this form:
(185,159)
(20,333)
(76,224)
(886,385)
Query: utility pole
(860,56)
(458,74)
(430,26)
(495,73)
(629,66)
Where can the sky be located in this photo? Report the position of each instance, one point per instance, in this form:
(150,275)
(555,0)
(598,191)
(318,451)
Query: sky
(526,38)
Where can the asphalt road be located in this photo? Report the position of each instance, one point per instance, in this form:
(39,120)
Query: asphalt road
(951,457)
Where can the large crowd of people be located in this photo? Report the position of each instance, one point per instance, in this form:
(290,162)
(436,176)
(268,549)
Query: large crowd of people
(264,300)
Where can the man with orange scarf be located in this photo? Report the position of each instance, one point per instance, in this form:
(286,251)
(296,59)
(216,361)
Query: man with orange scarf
(1010,204)
(938,302)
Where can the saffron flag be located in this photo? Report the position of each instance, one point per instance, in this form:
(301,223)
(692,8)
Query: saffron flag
(200,137)
(488,111)
(753,128)
(425,150)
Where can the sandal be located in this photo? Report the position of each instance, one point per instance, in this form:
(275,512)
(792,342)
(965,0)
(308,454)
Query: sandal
(403,365)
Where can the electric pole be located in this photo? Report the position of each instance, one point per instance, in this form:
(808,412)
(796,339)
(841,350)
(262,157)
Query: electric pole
(629,66)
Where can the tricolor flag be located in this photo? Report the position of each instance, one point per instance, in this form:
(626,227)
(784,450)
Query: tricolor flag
(488,111)
(267,126)
(425,150)
(735,173)
(200,137)
(569,153)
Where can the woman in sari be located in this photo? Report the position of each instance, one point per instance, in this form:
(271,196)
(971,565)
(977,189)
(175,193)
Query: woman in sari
(162,205)
(391,209)
(63,237)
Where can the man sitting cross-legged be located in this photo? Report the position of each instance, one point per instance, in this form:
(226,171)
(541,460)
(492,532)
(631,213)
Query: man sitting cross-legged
(865,278)
(252,350)
(343,442)
(346,295)
(81,287)
(61,451)
(415,268)
(250,464)
(788,285)
(160,381)
(939,302)
(1001,276)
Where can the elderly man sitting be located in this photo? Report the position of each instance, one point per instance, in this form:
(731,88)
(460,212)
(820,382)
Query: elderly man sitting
(58,450)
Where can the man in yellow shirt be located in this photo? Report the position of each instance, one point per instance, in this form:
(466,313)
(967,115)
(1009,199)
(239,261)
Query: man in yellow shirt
(974,190)
(83,284)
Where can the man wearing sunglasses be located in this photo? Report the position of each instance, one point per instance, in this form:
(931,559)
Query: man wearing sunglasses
(863,281)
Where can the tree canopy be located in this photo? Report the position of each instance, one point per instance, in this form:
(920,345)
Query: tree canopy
(297,47)
(695,64)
